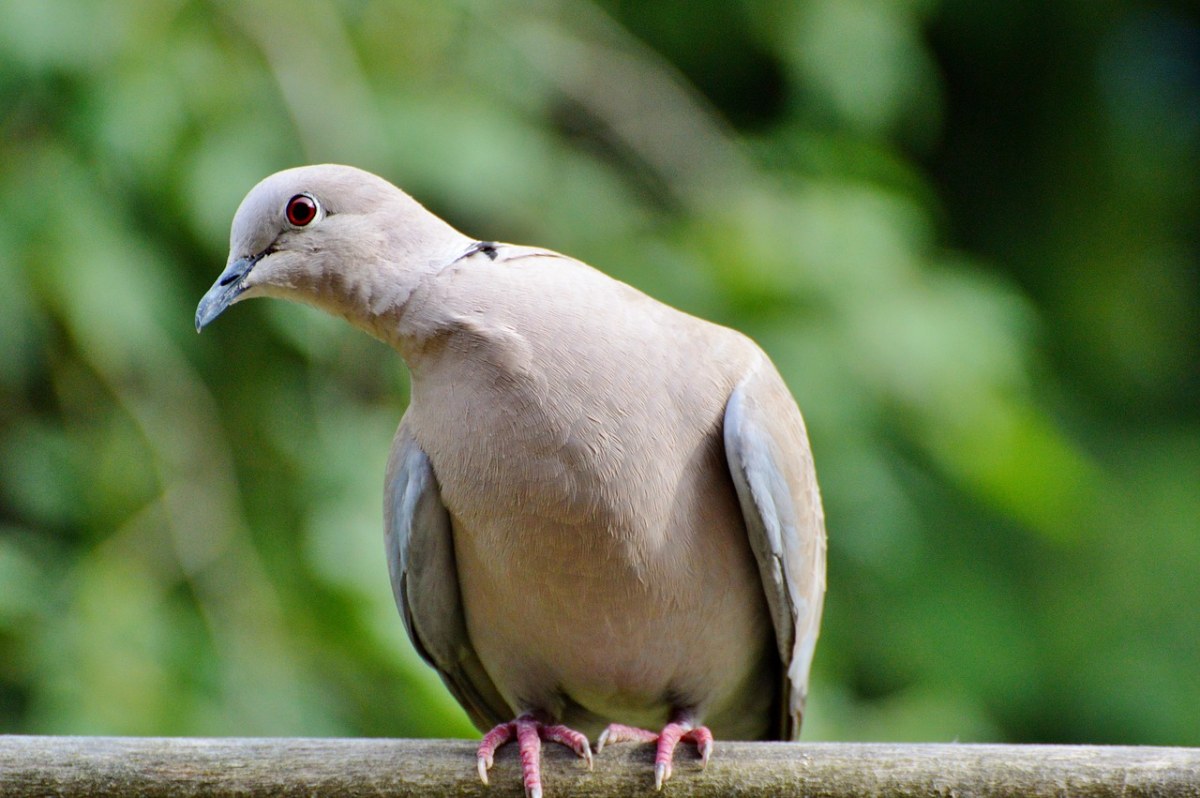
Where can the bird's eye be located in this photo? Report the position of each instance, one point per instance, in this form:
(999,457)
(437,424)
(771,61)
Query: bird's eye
(301,210)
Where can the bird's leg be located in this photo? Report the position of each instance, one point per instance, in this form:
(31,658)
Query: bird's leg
(530,732)
(681,727)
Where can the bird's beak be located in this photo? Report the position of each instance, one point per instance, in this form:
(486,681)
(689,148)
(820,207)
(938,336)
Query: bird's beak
(225,290)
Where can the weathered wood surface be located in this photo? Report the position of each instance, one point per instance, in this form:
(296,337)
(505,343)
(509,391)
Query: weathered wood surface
(145,767)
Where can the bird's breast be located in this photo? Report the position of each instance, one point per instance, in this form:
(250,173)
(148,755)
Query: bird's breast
(600,547)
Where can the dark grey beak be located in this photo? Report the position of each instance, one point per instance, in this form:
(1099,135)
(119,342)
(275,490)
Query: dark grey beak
(225,290)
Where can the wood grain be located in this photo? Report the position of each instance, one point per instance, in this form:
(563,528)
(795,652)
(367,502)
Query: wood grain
(149,767)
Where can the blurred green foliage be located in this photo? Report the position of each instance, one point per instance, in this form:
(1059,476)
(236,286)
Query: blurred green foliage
(966,230)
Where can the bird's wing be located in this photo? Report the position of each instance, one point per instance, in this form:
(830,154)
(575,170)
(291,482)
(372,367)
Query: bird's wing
(772,468)
(421,561)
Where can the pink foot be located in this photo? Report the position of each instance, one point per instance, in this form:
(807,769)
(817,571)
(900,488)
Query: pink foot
(529,733)
(670,736)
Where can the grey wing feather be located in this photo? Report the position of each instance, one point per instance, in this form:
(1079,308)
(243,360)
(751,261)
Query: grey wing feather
(420,551)
(771,465)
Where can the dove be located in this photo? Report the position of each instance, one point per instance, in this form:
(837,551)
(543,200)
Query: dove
(601,514)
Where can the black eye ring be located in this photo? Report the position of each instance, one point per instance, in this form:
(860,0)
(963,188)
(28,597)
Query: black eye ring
(301,210)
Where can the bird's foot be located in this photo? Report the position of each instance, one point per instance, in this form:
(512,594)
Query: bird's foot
(529,733)
(667,739)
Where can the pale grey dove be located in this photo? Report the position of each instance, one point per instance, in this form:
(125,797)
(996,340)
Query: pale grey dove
(601,513)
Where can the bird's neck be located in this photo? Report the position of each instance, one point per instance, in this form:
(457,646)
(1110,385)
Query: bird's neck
(374,294)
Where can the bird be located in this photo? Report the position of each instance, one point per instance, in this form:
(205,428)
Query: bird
(601,513)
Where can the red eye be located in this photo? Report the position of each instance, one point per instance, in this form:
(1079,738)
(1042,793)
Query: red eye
(301,209)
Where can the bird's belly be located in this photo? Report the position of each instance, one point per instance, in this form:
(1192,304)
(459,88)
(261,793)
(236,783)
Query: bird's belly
(579,623)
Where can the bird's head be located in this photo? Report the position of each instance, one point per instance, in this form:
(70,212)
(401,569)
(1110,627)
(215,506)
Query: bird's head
(331,236)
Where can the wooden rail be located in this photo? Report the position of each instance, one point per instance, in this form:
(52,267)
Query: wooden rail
(73,767)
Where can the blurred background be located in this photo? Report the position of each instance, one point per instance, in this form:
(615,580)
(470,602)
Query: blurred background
(966,230)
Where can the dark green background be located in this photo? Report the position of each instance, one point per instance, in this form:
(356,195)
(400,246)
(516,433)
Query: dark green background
(967,231)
